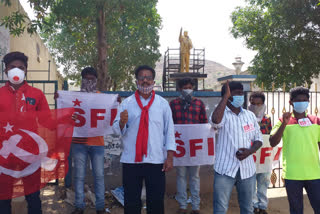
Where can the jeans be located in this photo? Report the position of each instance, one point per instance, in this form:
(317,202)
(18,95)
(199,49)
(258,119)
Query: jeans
(194,183)
(155,181)
(68,178)
(222,188)
(260,199)
(294,190)
(80,156)
(33,200)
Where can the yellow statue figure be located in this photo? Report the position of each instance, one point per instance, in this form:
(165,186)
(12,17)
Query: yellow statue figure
(185,46)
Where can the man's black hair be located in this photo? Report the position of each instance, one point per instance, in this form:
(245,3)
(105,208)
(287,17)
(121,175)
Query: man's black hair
(12,56)
(294,92)
(185,81)
(89,70)
(258,94)
(144,67)
(233,86)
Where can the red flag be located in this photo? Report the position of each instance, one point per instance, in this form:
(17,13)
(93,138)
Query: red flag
(34,149)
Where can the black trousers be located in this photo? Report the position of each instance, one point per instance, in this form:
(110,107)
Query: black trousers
(294,190)
(133,176)
(33,200)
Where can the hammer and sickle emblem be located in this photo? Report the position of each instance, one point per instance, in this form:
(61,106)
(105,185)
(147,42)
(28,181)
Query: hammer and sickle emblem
(36,161)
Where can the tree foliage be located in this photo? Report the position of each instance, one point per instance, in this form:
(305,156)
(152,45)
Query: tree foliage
(112,36)
(286,36)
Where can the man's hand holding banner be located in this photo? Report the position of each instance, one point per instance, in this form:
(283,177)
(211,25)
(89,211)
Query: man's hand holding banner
(196,144)
(267,157)
(95,112)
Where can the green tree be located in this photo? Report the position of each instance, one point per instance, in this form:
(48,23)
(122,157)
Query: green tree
(286,36)
(112,36)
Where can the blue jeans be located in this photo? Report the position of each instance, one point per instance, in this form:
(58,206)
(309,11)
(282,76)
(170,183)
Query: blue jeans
(194,183)
(80,156)
(260,199)
(68,178)
(294,190)
(222,188)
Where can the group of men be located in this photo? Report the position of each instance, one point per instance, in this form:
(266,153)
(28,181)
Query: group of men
(145,121)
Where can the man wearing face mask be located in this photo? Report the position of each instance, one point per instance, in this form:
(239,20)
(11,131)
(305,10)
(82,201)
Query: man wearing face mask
(257,106)
(144,121)
(187,109)
(300,133)
(18,96)
(92,147)
(239,137)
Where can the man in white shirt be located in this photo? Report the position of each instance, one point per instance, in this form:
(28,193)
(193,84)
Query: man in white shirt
(145,123)
(239,137)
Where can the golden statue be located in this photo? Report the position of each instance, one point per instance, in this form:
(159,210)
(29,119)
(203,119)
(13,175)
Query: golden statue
(185,46)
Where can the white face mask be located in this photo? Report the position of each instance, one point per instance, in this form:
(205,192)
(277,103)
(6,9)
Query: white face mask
(16,76)
(187,92)
(259,111)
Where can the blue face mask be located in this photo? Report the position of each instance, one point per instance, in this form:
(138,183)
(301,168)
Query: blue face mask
(300,107)
(237,101)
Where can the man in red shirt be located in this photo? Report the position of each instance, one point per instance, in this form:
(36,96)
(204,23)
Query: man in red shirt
(187,109)
(18,96)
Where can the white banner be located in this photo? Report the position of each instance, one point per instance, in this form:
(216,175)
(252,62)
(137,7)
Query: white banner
(267,157)
(96,112)
(195,145)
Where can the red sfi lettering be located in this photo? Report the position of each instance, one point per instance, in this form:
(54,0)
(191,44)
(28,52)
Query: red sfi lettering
(95,117)
(180,149)
(277,156)
(113,115)
(265,152)
(81,121)
(210,147)
(194,147)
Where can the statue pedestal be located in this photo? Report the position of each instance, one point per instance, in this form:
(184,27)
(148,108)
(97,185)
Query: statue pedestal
(195,76)
(246,80)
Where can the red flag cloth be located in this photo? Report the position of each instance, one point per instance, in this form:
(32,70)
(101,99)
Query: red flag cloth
(143,132)
(34,149)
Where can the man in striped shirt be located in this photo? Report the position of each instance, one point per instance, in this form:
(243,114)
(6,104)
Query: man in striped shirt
(239,137)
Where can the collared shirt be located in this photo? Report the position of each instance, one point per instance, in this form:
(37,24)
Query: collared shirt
(236,131)
(161,129)
(194,114)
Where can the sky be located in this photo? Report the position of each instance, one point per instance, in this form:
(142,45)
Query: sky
(208,24)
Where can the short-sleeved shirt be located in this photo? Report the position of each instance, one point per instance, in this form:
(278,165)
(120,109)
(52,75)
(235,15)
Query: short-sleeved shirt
(236,131)
(300,152)
(195,113)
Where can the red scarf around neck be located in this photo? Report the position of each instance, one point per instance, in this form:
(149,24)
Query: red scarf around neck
(143,132)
